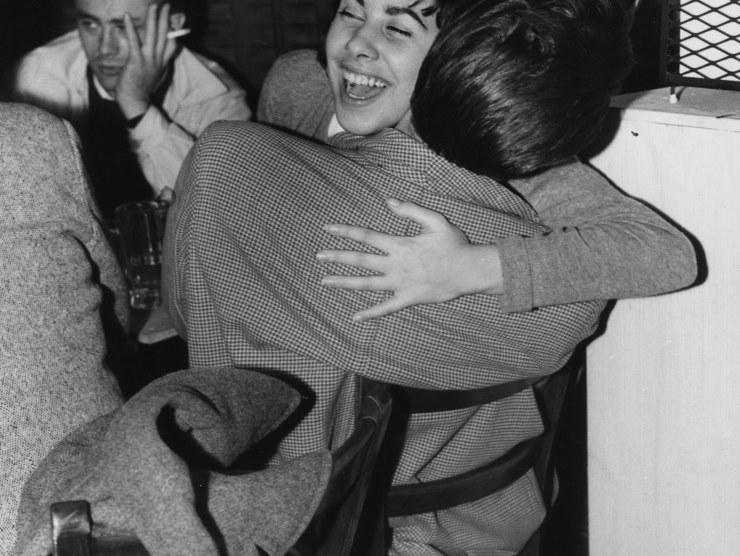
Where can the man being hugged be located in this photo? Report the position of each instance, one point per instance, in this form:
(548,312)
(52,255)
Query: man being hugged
(137,99)
(242,281)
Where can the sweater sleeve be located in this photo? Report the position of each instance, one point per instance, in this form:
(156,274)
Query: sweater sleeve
(602,244)
(296,96)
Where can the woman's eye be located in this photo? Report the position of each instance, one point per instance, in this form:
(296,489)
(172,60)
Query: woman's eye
(398,31)
(348,14)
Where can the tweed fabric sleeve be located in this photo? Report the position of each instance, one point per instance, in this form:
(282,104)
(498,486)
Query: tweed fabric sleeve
(52,347)
(241,274)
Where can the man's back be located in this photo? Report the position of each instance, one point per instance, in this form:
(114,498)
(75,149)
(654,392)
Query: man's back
(242,279)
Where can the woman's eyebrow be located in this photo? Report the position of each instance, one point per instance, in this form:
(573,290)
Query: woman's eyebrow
(408,10)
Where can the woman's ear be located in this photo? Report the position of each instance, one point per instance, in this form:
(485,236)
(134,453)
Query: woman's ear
(177,21)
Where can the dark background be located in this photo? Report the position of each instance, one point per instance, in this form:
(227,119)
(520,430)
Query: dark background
(247,35)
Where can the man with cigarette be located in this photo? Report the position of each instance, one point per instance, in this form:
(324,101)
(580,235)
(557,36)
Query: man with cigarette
(136,97)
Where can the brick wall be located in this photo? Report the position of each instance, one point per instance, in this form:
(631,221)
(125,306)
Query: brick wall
(247,35)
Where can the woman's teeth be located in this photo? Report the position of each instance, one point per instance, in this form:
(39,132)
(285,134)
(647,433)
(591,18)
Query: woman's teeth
(364,80)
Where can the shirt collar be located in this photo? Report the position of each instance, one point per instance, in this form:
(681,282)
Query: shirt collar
(334,126)
(99,88)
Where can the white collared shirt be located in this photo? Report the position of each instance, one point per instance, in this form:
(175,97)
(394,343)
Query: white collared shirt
(54,77)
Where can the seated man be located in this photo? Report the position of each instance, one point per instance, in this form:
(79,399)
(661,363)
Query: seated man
(136,98)
(56,268)
(242,286)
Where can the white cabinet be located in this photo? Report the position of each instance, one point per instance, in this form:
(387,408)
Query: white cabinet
(664,379)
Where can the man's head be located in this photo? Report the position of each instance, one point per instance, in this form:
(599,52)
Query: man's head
(515,86)
(103,35)
(374,49)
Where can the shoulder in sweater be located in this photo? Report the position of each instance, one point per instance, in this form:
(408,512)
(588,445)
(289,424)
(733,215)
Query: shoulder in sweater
(296,95)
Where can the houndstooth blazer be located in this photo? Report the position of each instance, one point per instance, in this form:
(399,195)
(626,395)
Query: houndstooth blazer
(242,282)
(52,256)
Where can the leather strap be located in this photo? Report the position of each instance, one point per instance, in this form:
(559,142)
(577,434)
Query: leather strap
(466,487)
(419,400)
(475,484)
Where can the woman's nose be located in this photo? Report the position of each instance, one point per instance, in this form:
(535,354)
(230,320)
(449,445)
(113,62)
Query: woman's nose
(364,42)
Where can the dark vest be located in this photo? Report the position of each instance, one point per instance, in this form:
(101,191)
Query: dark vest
(114,170)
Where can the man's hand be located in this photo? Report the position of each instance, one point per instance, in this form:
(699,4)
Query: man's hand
(437,265)
(147,63)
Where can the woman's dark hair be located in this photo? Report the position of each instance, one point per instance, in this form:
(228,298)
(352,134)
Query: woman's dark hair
(511,87)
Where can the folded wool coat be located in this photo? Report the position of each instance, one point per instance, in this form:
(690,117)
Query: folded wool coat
(141,469)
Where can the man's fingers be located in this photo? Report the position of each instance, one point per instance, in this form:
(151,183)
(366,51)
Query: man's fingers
(134,42)
(149,43)
(424,217)
(163,27)
(169,50)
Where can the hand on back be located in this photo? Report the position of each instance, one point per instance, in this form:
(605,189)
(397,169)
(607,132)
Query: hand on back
(426,268)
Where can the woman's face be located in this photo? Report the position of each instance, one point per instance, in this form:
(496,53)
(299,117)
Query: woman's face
(374,50)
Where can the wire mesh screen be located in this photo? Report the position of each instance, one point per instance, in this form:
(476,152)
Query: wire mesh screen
(701,43)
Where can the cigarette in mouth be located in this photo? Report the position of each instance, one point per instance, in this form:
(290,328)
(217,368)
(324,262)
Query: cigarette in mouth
(178,33)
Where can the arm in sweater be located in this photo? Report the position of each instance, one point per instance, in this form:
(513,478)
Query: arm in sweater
(603,244)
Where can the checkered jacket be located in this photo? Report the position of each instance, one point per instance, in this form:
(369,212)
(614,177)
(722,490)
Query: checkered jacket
(242,282)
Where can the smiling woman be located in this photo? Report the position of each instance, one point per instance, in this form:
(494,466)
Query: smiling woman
(374,50)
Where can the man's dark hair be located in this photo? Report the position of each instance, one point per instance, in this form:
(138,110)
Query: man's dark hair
(176,6)
(512,87)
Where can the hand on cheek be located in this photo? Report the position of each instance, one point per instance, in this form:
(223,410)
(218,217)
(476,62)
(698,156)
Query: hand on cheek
(147,63)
